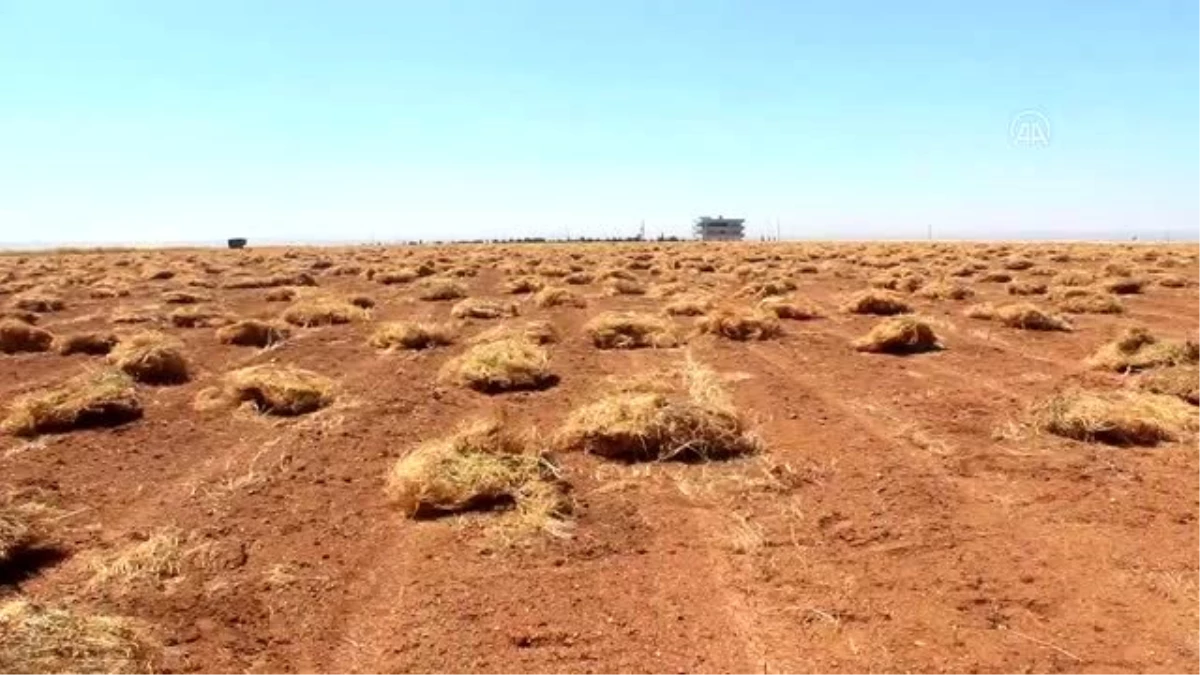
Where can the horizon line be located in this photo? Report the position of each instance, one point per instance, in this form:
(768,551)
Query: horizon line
(1194,238)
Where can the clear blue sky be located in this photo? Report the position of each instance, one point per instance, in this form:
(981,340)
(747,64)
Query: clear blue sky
(190,121)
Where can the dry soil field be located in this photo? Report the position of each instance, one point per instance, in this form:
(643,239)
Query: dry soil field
(651,457)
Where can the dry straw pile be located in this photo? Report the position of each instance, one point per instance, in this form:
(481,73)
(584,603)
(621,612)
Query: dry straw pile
(482,466)
(480,308)
(507,364)
(253,333)
(689,418)
(411,335)
(18,336)
(95,399)
(322,311)
(899,335)
(271,389)
(36,638)
(1138,349)
(1179,381)
(94,344)
(630,330)
(740,324)
(1115,418)
(151,357)
(1024,315)
(882,303)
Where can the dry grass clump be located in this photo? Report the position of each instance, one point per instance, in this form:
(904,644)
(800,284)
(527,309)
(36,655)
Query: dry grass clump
(630,330)
(362,301)
(1026,288)
(348,270)
(21,315)
(539,332)
(399,276)
(95,344)
(322,311)
(482,466)
(38,301)
(299,279)
(183,298)
(689,305)
(481,308)
(1180,381)
(156,557)
(253,333)
(106,291)
(129,315)
(790,308)
(1115,418)
(198,317)
(618,286)
(511,364)
(767,288)
(461,272)
(198,282)
(689,419)
(1030,317)
(523,285)
(556,296)
(18,336)
(1017,263)
(35,638)
(1116,269)
(553,271)
(1174,281)
(102,398)
(741,324)
(899,335)
(281,294)
(905,281)
(881,303)
(17,531)
(160,275)
(1138,349)
(996,277)
(1073,278)
(441,289)
(411,335)
(1086,301)
(151,357)
(1124,285)
(945,290)
(617,273)
(272,389)
(667,290)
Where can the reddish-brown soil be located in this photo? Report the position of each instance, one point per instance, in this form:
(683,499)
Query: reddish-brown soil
(903,515)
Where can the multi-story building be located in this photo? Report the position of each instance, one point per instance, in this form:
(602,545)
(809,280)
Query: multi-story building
(719,228)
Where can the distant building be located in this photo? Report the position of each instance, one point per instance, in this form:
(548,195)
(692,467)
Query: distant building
(719,228)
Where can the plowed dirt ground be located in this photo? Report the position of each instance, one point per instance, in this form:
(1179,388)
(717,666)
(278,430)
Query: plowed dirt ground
(903,514)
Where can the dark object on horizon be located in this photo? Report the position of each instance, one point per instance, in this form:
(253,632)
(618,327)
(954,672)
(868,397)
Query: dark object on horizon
(238,242)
